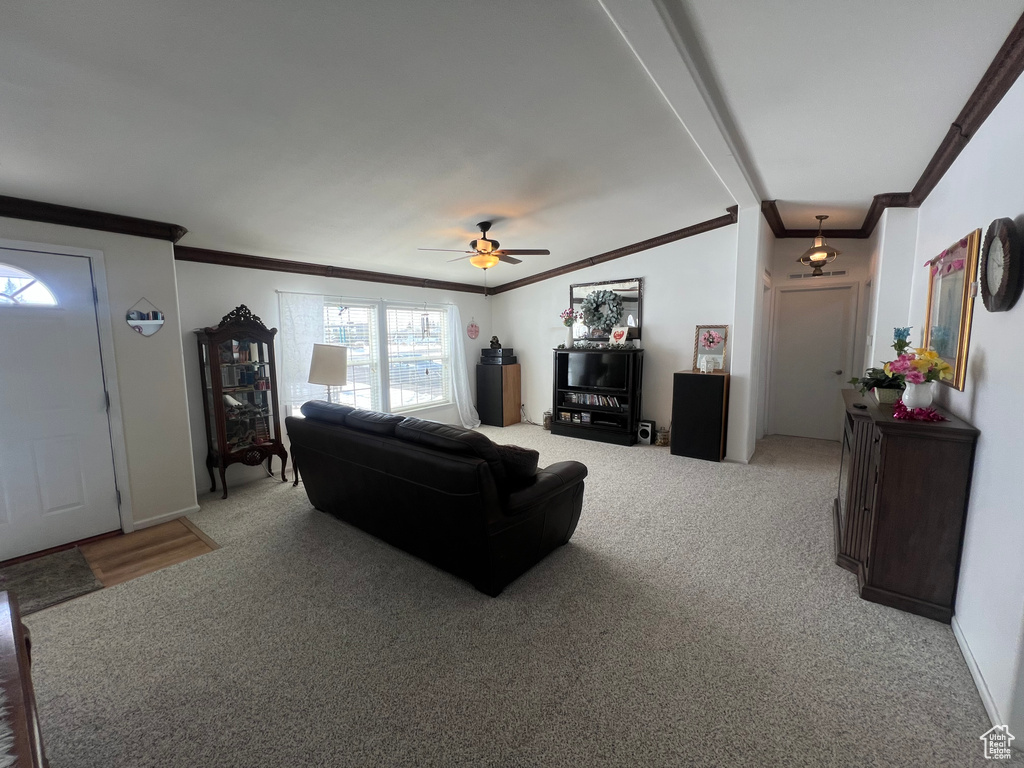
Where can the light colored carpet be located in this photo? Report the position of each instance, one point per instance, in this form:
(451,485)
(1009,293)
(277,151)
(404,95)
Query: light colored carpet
(696,618)
(48,580)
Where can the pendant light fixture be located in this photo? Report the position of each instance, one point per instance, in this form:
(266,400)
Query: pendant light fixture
(819,254)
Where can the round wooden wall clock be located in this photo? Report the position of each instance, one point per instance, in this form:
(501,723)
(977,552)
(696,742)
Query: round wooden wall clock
(1000,272)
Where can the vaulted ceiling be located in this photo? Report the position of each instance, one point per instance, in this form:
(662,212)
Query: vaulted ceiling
(353,133)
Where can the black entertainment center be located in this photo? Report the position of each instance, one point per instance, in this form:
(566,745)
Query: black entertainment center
(597,394)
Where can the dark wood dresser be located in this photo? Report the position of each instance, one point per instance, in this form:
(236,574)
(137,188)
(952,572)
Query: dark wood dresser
(901,506)
(16,683)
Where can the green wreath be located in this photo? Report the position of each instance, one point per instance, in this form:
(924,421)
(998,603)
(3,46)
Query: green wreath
(602,309)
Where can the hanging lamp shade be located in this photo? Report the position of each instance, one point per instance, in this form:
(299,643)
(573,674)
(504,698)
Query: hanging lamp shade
(484,260)
(819,254)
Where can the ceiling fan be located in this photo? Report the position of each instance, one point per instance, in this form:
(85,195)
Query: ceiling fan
(486,254)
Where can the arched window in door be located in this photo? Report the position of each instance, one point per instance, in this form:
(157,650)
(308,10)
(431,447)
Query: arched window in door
(19,287)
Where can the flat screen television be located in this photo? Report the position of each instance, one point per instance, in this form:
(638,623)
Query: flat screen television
(598,371)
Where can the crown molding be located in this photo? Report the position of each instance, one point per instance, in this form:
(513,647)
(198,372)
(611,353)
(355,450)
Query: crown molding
(245,261)
(50,213)
(626,250)
(1000,76)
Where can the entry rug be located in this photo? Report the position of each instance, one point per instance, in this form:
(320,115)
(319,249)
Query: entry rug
(49,580)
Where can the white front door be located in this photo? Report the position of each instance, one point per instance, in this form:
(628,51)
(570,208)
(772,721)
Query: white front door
(812,356)
(56,462)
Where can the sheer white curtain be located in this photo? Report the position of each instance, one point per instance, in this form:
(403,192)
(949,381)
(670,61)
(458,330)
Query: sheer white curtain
(460,372)
(302,326)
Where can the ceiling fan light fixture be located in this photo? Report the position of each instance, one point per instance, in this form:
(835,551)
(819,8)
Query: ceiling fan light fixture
(484,260)
(819,254)
(483,245)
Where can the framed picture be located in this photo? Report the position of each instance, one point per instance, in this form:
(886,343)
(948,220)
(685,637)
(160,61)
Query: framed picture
(947,328)
(710,340)
(618,335)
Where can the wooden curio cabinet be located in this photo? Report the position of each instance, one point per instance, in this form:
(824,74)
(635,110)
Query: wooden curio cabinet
(239,378)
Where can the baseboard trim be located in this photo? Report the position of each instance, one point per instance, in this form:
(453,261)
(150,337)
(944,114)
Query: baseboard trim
(979,680)
(149,522)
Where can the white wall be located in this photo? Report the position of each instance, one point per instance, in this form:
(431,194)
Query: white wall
(686,283)
(984,184)
(150,374)
(208,292)
(754,244)
(892,273)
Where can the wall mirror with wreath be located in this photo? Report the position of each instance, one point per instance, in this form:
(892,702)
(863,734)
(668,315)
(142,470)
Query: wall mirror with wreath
(606,305)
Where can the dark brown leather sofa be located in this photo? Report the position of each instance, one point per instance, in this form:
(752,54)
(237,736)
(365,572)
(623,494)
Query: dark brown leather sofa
(439,492)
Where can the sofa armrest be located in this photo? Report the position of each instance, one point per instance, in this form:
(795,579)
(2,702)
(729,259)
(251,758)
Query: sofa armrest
(547,483)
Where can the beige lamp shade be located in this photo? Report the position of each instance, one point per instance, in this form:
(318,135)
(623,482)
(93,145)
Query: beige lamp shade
(329,365)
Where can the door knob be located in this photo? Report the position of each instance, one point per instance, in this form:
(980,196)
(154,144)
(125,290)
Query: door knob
(838,372)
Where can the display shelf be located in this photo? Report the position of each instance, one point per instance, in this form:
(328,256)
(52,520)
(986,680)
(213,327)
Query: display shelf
(239,379)
(613,376)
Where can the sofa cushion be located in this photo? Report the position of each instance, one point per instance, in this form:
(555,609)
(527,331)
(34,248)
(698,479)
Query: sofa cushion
(373,422)
(520,463)
(445,437)
(321,410)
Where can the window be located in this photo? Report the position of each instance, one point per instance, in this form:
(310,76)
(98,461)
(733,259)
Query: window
(418,357)
(404,367)
(19,287)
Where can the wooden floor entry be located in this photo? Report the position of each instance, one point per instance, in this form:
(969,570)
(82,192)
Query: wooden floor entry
(118,559)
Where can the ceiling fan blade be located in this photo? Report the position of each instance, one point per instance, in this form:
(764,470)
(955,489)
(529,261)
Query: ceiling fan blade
(457,258)
(503,256)
(446,250)
(525,251)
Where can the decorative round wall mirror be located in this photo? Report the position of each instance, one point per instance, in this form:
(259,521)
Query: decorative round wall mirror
(144,318)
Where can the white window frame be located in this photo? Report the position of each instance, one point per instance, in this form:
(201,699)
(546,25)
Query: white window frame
(381,359)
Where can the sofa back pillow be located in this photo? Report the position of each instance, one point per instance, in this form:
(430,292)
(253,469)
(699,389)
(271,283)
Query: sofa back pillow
(321,410)
(520,463)
(445,437)
(373,422)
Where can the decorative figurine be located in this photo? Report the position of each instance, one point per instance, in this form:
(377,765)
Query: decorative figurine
(495,344)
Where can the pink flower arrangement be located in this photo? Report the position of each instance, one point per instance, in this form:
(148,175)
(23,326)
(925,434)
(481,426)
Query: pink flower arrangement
(710,339)
(571,316)
(919,366)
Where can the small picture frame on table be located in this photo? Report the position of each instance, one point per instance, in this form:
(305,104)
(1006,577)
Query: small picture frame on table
(710,340)
(618,335)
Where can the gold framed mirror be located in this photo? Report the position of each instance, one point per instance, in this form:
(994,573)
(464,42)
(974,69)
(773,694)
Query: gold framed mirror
(947,327)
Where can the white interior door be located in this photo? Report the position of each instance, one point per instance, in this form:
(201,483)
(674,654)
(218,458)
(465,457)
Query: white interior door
(812,356)
(56,463)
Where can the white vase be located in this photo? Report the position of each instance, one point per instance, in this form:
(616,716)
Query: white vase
(919,395)
(568,337)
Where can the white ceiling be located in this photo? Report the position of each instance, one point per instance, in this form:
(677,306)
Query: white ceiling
(352,133)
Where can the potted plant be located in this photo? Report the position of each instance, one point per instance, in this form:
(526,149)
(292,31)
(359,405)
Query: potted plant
(886,384)
(908,377)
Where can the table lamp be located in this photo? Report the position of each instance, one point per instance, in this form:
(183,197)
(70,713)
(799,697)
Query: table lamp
(329,366)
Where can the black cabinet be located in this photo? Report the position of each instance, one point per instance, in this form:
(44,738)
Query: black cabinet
(498,394)
(700,414)
(902,505)
(597,394)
